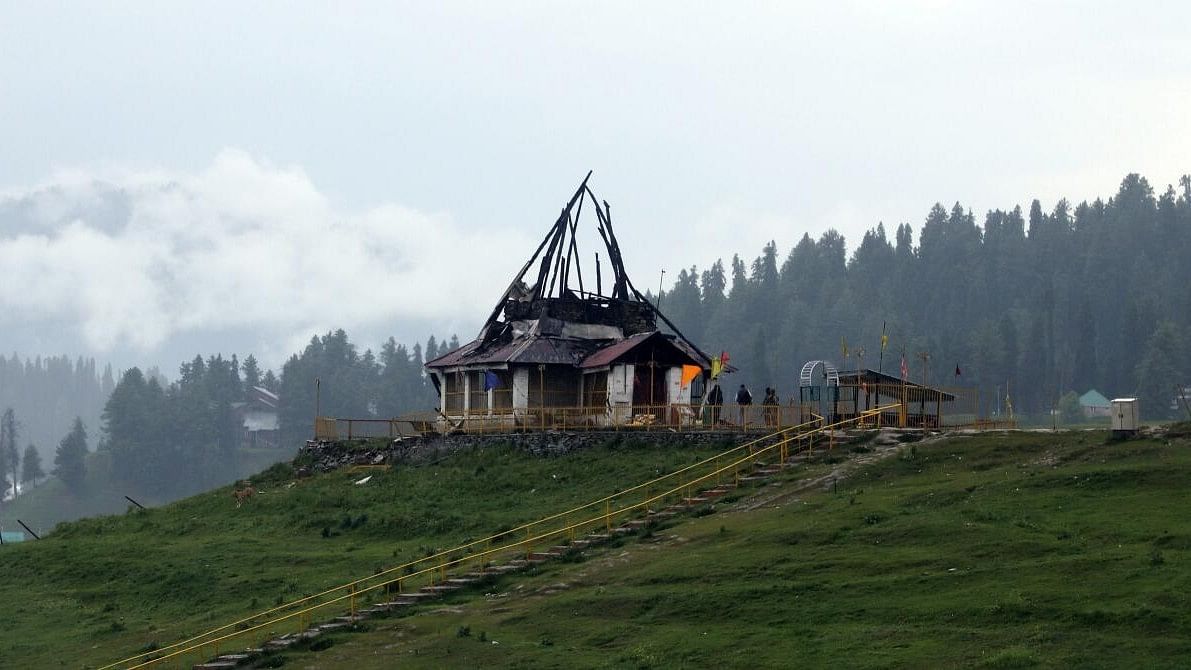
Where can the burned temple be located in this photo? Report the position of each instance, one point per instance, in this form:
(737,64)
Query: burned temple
(563,350)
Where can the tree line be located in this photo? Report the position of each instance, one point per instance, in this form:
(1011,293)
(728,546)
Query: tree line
(24,469)
(1037,302)
(168,440)
(46,394)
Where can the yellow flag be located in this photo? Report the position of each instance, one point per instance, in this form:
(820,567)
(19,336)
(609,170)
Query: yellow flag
(716,367)
(884,341)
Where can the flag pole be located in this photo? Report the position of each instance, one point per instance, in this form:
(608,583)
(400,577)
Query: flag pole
(881,358)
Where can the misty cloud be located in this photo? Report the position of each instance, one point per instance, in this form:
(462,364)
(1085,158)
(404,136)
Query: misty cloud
(132,259)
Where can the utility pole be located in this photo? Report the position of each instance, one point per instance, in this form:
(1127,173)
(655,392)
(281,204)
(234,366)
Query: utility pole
(925,356)
(660,278)
(318,400)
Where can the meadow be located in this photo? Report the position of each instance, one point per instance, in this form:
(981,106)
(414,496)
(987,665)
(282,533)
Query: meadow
(99,589)
(1007,550)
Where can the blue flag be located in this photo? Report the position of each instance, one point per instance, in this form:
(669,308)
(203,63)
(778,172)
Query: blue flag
(491,381)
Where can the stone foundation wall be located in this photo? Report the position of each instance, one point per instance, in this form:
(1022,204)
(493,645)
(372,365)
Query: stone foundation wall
(324,456)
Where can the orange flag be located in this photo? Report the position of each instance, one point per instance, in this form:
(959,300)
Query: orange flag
(689,372)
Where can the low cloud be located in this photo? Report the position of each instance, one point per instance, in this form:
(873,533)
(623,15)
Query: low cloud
(132,259)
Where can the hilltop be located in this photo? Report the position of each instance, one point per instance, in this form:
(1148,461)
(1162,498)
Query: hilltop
(999,550)
(996,550)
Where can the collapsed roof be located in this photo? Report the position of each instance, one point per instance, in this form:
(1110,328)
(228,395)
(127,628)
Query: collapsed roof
(561,319)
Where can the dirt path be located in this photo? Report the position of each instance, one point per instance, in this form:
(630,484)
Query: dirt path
(884,445)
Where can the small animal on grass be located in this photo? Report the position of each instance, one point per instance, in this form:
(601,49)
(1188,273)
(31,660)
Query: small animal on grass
(243,494)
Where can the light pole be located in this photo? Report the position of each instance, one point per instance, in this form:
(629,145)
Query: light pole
(660,278)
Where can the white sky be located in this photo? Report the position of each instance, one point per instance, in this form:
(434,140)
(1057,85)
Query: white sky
(293,167)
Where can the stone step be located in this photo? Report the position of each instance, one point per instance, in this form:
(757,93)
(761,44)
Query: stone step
(438,588)
(713,493)
(347,619)
(233,658)
(216,665)
(281,643)
(634,523)
(697,500)
(580,544)
(462,581)
(327,627)
(416,596)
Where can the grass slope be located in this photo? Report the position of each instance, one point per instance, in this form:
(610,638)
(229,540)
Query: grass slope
(51,502)
(99,589)
(995,551)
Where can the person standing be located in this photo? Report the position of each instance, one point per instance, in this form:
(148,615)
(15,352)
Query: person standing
(744,398)
(715,399)
(770,402)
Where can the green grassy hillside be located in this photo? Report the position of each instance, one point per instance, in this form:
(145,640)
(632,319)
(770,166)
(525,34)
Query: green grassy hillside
(99,589)
(997,551)
(51,502)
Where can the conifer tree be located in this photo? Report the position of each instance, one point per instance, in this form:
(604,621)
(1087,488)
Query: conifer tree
(252,372)
(31,471)
(10,456)
(70,461)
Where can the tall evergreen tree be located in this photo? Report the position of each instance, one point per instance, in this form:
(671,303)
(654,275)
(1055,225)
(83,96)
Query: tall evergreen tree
(252,372)
(70,461)
(31,471)
(10,455)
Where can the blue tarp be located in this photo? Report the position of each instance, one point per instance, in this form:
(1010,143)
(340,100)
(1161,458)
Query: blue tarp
(12,536)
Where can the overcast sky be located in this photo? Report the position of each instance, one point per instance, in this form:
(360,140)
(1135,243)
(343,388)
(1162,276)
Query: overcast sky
(237,177)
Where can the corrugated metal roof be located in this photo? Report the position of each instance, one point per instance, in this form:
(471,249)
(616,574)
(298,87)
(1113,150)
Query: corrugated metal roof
(871,376)
(528,349)
(610,353)
(549,350)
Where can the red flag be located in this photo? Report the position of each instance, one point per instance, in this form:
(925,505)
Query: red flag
(905,369)
(957,372)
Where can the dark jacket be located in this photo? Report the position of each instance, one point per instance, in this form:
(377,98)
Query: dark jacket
(716,397)
(743,396)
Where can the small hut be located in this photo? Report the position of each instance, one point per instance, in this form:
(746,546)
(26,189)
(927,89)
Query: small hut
(559,352)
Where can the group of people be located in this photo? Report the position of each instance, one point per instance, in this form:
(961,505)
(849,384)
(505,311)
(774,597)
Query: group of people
(744,399)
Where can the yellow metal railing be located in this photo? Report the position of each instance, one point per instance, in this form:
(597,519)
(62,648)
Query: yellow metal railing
(571,418)
(599,514)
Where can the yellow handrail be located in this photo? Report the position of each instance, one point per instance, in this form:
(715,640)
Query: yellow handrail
(205,639)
